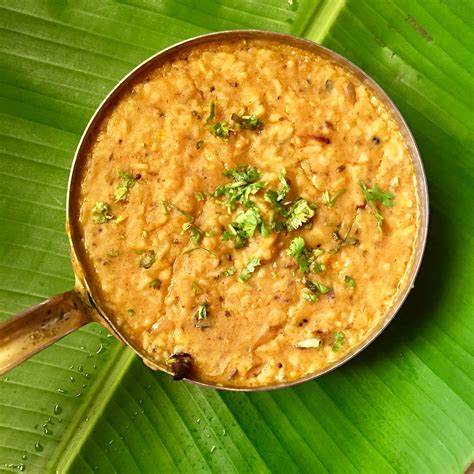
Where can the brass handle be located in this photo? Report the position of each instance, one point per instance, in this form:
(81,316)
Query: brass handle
(38,327)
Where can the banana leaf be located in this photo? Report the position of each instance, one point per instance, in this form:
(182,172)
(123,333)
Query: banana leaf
(87,404)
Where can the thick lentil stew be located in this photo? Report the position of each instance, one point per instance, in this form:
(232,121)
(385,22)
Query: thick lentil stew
(249,213)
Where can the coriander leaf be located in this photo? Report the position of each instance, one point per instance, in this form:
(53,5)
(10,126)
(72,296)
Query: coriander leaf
(168,204)
(245,184)
(243,227)
(247,174)
(330,201)
(127,181)
(201,315)
(112,253)
(300,253)
(372,195)
(316,287)
(339,337)
(196,235)
(311,297)
(249,122)
(130,311)
(275,198)
(200,196)
(212,113)
(230,271)
(101,213)
(349,281)
(300,212)
(247,271)
(147,259)
(221,130)
(319,267)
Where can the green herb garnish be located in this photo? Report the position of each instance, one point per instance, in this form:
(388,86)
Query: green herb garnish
(372,195)
(249,122)
(300,212)
(200,317)
(275,198)
(349,281)
(316,287)
(230,271)
(311,297)
(247,271)
(200,196)
(244,227)
(130,311)
(101,213)
(147,259)
(155,284)
(329,200)
(222,130)
(339,337)
(112,253)
(243,186)
(195,233)
(212,112)
(127,181)
(343,241)
(300,253)
(167,204)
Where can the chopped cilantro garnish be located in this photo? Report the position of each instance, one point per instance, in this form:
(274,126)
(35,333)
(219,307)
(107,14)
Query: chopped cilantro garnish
(127,181)
(376,194)
(249,122)
(316,287)
(112,253)
(329,200)
(212,112)
(300,253)
(201,315)
(130,311)
(167,204)
(155,284)
(319,267)
(311,297)
(101,213)
(245,184)
(275,198)
(247,271)
(245,174)
(222,130)
(147,259)
(195,233)
(343,241)
(300,212)
(339,337)
(230,271)
(349,281)
(243,227)
(200,196)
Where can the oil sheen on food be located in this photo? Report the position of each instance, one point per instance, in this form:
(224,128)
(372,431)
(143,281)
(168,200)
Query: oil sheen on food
(251,207)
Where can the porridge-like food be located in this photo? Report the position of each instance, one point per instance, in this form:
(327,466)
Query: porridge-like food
(249,213)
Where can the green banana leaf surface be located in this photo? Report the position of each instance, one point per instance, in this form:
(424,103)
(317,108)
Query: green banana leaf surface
(87,404)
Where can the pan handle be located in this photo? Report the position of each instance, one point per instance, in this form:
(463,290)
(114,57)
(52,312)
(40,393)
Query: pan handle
(36,328)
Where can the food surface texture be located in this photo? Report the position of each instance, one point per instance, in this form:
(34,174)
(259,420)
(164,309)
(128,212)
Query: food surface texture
(248,213)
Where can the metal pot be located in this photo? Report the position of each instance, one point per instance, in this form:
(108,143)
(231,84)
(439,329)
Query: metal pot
(40,326)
